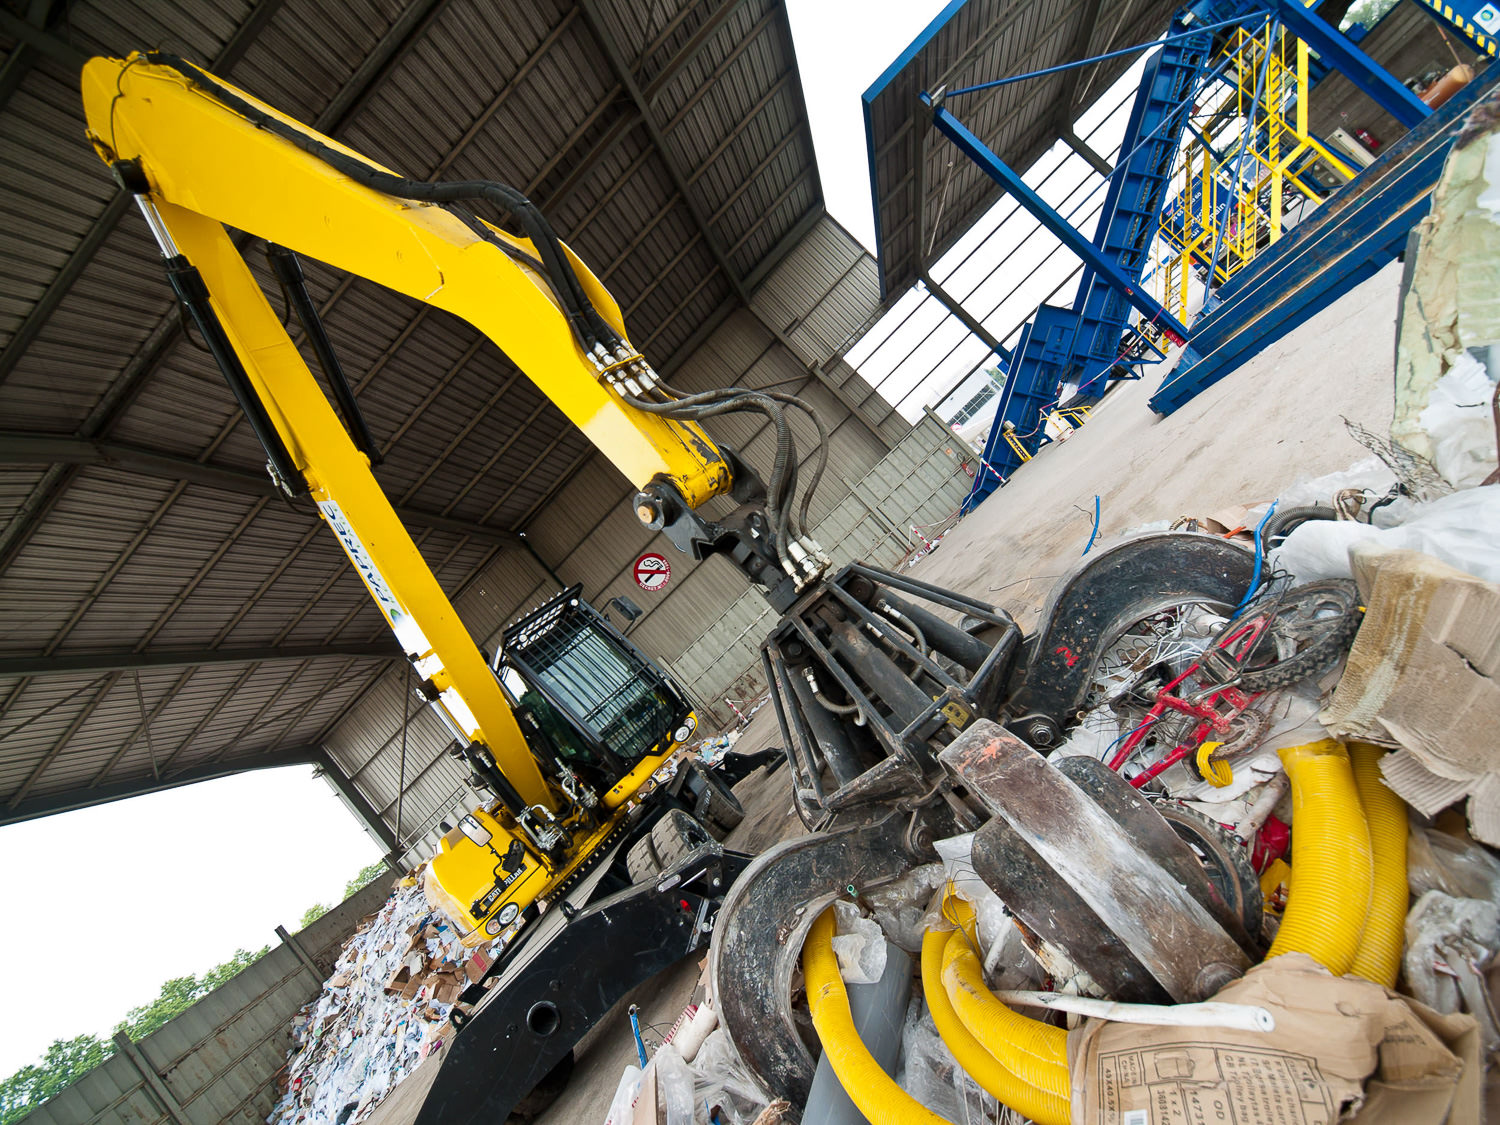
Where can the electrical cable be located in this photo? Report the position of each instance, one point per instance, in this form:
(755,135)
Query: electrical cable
(1260,555)
(593,332)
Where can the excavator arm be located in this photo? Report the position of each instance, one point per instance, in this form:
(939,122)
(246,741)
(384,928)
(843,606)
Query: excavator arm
(201,155)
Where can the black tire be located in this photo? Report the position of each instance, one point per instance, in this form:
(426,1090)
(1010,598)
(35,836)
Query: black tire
(1338,597)
(717,807)
(1224,858)
(670,840)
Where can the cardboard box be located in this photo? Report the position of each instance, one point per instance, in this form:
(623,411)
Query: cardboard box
(1341,1045)
(1424,676)
(476,966)
(399,980)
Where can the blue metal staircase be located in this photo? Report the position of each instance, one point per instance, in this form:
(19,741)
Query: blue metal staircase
(1132,205)
(1059,341)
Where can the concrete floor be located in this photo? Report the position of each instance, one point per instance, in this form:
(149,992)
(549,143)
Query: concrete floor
(1275,421)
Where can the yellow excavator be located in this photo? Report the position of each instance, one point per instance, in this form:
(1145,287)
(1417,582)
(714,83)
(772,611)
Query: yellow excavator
(592,877)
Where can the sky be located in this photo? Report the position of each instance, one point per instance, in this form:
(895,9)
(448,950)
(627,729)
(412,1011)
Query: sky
(137,892)
(174,883)
(1001,269)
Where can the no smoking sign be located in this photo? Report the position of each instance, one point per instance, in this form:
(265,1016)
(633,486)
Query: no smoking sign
(652,571)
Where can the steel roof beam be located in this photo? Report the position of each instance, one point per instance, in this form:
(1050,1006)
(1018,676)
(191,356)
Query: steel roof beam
(595,20)
(700,39)
(37,449)
(39,665)
(624,73)
(75,799)
(42,41)
(104,225)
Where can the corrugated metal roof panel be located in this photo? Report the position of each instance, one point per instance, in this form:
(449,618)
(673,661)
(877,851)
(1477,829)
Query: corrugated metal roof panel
(105,559)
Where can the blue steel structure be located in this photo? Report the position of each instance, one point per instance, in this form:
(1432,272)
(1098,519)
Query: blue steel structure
(1478,21)
(1361,228)
(1088,343)
(1084,342)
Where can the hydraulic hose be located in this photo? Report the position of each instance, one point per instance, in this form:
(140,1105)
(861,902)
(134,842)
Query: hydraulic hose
(1332,866)
(1038,1105)
(870,1088)
(1035,1052)
(1378,957)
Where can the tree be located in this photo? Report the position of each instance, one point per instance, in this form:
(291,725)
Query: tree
(66,1061)
(311,915)
(181,993)
(366,876)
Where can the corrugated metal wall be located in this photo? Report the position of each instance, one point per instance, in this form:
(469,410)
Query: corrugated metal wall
(919,482)
(792,337)
(218,1060)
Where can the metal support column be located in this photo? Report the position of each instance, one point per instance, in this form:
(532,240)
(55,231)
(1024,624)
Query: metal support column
(126,1046)
(302,955)
(977,151)
(946,299)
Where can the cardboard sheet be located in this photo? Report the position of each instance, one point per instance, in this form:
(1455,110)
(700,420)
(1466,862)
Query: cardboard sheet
(1340,1044)
(1424,676)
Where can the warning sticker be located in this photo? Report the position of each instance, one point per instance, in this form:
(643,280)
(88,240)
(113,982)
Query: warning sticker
(652,571)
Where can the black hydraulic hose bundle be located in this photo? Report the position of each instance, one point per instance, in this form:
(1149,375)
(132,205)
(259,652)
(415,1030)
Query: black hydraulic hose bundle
(588,326)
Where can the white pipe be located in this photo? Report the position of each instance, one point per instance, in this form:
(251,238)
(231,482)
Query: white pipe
(1239,1017)
(1259,812)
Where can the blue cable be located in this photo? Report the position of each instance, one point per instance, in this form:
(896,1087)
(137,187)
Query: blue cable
(1259,558)
(1095,533)
(635,1029)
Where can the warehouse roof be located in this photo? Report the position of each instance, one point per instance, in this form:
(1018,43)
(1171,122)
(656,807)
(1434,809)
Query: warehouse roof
(974,41)
(167,618)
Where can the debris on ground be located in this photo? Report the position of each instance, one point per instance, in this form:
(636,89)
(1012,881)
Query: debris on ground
(384,1010)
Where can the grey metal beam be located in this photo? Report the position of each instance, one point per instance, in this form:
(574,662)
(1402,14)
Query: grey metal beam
(623,73)
(188,658)
(784,246)
(39,40)
(74,799)
(308,964)
(700,39)
(356,801)
(41,449)
(154,1082)
(104,225)
(132,379)
(919,234)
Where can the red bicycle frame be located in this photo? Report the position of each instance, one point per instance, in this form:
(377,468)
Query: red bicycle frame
(1211,719)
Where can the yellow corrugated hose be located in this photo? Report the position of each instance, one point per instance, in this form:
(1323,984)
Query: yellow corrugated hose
(1378,957)
(1038,1105)
(1035,1052)
(870,1088)
(1332,865)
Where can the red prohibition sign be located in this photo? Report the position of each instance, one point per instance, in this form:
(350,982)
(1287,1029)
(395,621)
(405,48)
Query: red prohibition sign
(652,571)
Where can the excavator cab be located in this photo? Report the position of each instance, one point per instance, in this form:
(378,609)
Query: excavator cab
(588,698)
(597,714)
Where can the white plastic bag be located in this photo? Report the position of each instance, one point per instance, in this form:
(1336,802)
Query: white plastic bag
(622,1104)
(859,944)
(1460,424)
(721,1079)
(1458,529)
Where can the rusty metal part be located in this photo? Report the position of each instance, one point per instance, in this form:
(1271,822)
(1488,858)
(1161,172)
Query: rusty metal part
(1079,878)
(757,940)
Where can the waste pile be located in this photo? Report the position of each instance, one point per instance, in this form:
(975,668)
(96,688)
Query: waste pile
(384,1010)
(1327,751)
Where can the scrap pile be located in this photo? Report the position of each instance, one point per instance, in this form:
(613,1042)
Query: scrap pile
(1327,946)
(384,1010)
